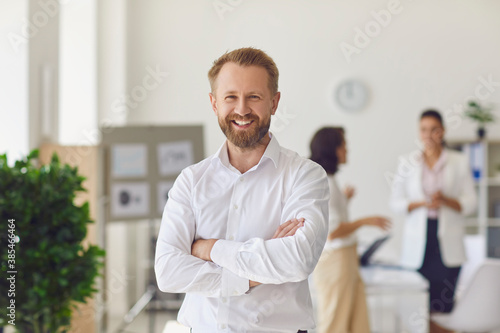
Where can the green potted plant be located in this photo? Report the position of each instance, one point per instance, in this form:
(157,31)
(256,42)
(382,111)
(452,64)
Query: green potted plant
(48,267)
(480,114)
(497,171)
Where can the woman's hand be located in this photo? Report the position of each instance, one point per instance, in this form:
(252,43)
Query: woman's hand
(349,191)
(439,199)
(378,221)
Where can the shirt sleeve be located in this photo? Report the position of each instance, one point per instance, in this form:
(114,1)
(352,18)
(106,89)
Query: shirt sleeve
(176,269)
(335,215)
(288,259)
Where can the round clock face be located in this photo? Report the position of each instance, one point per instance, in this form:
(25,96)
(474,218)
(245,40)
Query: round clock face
(351,95)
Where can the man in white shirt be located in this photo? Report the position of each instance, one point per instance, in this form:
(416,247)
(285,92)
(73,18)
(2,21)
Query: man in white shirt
(243,229)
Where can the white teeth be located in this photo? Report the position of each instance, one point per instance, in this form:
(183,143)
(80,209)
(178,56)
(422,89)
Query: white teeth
(242,123)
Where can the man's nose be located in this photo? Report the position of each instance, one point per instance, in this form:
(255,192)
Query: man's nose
(242,107)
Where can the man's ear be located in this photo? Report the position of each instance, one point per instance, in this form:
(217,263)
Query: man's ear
(213,101)
(276,100)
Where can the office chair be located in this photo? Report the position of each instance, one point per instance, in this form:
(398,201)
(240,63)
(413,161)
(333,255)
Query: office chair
(478,309)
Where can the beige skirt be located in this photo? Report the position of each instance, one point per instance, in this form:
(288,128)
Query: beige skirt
(340,292)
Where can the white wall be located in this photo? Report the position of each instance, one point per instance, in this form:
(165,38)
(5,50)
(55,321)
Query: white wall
(42,24)
(13,80)
(111,50)
(77,73)
(111,80)
(430,54)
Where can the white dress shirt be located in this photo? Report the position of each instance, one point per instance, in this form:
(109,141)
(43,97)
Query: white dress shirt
(338,213)
(213,200)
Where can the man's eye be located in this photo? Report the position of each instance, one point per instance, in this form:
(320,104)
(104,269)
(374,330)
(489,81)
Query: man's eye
(254,97)
(230,97)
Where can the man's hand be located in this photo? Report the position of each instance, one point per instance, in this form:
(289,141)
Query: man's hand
(202,248)
(288,228)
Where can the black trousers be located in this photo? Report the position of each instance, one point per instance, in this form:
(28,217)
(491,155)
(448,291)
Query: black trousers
(442,279)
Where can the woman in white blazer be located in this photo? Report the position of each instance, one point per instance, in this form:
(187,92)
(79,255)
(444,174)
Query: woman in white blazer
(435,191)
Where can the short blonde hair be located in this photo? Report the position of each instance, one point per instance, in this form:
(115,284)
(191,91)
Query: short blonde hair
(247,56)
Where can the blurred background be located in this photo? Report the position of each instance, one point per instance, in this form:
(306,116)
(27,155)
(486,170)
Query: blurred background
(70,69)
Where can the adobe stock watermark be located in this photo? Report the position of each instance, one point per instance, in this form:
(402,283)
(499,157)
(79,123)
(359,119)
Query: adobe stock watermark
(11,270)
(372,29)
(281,119)
(152,80)
(139,93)
(266,308)
(406,165)
(30,28)
(419,319)
(225,6)
(453,115)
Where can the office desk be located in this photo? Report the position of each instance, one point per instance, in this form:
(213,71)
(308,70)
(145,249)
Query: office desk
(397,300)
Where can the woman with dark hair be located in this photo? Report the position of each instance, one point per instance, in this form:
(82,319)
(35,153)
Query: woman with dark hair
(434,192)
(340,290)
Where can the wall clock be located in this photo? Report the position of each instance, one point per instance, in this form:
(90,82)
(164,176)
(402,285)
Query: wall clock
(351,95)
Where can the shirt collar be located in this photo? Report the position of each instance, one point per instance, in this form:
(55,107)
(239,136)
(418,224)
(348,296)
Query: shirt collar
(272,152)
(440,163)
(441,160)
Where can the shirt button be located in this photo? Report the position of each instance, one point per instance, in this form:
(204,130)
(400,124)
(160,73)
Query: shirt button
(235,206)
(223,326)
(242,179)
(224,300)
(235,293)
(231,237)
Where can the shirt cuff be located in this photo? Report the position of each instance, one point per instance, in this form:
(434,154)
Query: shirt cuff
(232,284)
(224,254)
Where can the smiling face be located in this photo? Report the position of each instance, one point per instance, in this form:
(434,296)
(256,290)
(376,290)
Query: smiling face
(244,104)
(431,133)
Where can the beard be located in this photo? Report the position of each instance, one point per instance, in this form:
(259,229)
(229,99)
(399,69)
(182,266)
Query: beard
(245,138)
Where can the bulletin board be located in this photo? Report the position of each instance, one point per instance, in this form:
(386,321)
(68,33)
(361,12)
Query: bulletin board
(141,164)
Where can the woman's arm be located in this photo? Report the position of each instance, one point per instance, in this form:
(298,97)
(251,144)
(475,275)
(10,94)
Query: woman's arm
(345,228)
(416,204)
(438,199)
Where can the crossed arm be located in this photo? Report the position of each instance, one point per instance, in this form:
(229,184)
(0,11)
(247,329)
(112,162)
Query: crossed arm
(201,248)
(230,266)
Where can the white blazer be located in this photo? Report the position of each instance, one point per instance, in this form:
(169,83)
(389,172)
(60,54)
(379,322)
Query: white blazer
(407,188)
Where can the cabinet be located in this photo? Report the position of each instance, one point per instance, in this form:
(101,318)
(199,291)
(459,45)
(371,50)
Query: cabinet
(485,165)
